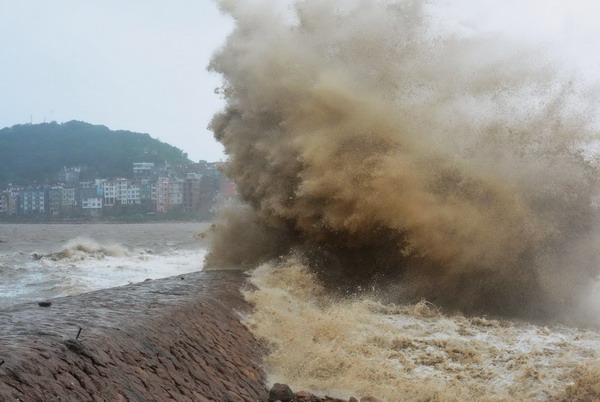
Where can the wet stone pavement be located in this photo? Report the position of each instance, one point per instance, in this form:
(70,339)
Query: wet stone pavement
(177,339)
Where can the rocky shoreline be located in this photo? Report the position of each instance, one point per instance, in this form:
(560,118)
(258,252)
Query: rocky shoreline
(176,339)
(283,393)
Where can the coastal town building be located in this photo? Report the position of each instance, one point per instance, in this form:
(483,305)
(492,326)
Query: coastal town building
(55,200)
(108,191)
(147,190)
(132,195)
(69,198)
(152,190)
(91,206)
(70,175)
(227,188)
(12,206)
(192,191)
(121,186)
(3,204)
(143,170)
(33,201)
(169,193)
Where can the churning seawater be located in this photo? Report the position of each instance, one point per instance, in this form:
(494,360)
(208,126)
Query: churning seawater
(358,345)
(437,150)
(42,261)
(317,341)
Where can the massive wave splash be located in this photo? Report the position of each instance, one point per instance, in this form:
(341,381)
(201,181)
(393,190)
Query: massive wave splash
(388,148)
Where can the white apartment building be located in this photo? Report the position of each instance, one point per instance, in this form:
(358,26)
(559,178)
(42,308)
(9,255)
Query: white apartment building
(92,206)
(121,186)
(109,191)
(132,195)
(119,191)
(91,203)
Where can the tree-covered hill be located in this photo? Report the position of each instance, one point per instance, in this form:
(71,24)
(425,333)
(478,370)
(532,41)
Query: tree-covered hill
(36,152)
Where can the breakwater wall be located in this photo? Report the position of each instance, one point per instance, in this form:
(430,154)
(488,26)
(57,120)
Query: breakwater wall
(177,338)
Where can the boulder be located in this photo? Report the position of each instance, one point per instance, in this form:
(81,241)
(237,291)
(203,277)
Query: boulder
(370,399)
(281,392)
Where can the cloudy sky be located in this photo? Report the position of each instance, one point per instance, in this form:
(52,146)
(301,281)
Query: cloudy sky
(137,65)
(140,65)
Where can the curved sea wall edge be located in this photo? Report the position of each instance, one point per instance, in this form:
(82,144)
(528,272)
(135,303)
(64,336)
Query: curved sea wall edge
(178,338)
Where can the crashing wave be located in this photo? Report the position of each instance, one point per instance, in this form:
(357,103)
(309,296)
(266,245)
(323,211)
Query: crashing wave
(82,249)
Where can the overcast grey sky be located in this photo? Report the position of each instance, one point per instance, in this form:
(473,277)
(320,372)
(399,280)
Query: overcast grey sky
(136,65)
(140,65)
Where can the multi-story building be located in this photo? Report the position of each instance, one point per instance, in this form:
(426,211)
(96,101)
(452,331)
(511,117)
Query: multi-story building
(3,203)
(191,191)
(169,193)
(119,191)
(227,188)
(91,206)
(69,175)
(91,203)
(147,190)
(132,195)
(62,201)
(12,202)
(121,186)
(55,200)
(68,197)
(157,189)
(87,184)
(33,201)
(143,169)
(200,191)
(108,190)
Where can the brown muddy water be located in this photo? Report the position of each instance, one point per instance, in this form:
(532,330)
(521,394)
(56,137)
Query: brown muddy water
(360,346)
(416,150)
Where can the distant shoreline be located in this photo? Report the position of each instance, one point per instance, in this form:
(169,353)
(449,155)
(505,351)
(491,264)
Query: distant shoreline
(99,221)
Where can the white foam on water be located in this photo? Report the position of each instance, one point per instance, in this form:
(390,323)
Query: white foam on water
(130,267)
(83,265)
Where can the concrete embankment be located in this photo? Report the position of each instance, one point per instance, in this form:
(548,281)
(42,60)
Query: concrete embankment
(177,339)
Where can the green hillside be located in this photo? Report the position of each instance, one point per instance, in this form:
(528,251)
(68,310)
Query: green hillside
(36,152)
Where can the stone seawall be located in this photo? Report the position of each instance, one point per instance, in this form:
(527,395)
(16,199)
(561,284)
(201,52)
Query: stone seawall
(177,339)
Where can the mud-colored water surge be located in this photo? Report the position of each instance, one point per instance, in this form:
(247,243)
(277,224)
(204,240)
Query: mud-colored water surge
(359,346)
(388,145)
(394,149)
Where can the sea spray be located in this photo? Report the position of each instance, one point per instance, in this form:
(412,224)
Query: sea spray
(81,248)
(390,147)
